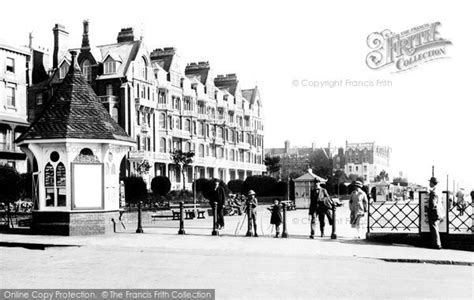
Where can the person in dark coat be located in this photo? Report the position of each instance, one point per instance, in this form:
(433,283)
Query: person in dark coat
(276,218)
(218,196)
(319,206)
(434,218)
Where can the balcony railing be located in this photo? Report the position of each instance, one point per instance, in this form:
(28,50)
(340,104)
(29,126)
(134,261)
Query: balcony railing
(145,102)
(108,99)
(163,106)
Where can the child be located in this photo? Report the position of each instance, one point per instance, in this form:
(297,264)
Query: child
(276,218)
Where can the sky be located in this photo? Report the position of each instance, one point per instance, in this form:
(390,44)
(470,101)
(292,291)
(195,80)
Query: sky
(286,48)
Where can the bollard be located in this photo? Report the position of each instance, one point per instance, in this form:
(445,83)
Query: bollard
(249,221)
(214,218)
(139,225)
(333,234)
(181,218)
(284,234)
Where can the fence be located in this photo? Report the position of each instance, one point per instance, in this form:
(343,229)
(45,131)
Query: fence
(411,217)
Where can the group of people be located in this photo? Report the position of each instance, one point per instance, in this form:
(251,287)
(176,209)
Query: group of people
(218,197)
(321,205)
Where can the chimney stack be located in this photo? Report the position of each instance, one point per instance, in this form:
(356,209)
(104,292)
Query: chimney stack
(73,61)
(60,43)
(85,36)
(125,35)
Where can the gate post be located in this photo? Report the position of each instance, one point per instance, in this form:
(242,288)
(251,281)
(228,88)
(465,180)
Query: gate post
(181,218)
(333,234)
(284,234)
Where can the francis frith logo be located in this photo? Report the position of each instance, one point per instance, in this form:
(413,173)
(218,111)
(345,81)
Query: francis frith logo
(406,50)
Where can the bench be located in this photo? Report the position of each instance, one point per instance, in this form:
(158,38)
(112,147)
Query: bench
(188,212)
(290,205)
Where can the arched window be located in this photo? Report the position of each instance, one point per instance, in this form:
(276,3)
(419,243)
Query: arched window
(162,121)
(187,125)
(55,181)
(201,150)
(177,123)
(187,147)
(86,70)
(163,145)
(115,113)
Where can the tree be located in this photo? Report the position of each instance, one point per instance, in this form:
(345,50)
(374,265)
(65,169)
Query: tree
(321,163)
(182,159)
(11,187)
(400,181)
(272,163)
(355,177)
(143,167)
(383,176)
(160,185)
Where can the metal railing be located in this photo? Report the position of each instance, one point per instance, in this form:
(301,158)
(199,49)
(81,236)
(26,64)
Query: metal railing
(394,216)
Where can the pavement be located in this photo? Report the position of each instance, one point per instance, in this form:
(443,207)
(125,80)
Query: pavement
(163,234)
(237,267)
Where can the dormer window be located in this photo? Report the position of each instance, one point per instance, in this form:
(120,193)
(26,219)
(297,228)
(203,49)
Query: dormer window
(110,67)
(63,69)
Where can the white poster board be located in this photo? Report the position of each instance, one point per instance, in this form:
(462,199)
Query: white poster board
(424,226)
(87,186)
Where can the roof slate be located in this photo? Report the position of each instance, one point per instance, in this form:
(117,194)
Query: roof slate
(74,111)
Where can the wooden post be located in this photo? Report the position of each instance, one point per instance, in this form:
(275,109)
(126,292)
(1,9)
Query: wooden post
(333,233)
(284,234)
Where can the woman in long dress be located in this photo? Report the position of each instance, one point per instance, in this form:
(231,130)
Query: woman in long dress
(358,205)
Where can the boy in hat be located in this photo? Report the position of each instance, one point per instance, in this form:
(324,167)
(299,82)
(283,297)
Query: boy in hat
(252,204)
(433,217)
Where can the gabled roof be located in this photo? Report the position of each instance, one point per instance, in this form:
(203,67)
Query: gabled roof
(124,51)
(74,111)
(165,62)
(251,95)
(310,176)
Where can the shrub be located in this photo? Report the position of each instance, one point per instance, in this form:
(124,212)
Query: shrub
(281,188)
(235,186)
(161,185)
(11,184)
(261,185)
(206,187)
(181,195)
(135,189)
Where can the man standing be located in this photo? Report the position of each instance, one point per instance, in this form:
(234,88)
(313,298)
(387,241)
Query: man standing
(319,205)
(218,196)
(252,204)
(433,216)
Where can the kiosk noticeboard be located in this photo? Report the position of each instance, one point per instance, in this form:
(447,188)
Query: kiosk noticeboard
(424,226)
(87,186)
